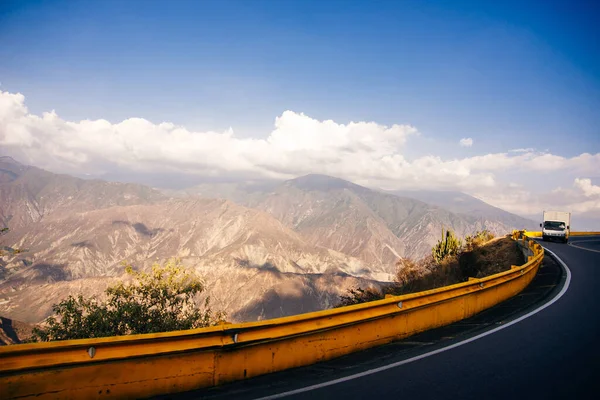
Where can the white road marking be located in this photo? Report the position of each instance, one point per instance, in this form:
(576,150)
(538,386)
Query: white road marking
(431,353)
(584,248)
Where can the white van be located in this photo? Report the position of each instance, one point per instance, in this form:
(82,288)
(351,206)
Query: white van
(556,225)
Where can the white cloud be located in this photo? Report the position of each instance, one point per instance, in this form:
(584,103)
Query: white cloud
(522,150)
(585,185)
(466,142)
(364,152)
(582,199)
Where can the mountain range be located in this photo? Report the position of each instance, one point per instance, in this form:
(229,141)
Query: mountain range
(372,224)
(265,249)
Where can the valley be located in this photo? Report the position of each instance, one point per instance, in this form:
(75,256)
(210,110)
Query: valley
(265,250)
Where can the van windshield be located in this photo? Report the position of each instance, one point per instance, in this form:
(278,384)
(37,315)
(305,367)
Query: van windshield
(554,225)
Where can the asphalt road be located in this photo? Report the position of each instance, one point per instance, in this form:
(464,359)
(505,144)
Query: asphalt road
(553,353)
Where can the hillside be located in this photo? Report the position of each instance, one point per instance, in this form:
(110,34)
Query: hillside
(461,203)
(369,224)
(27,194)
(243,254)
(13,332)
(279,249)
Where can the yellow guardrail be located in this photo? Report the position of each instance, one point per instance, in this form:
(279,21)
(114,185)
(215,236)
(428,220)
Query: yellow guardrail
(533,234)
(539,234)
(152,364)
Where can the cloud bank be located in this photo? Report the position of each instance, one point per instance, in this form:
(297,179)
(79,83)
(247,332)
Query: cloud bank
(364,152)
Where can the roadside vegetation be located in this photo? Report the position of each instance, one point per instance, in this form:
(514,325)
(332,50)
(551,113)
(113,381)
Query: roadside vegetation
(452,261)
(161,300)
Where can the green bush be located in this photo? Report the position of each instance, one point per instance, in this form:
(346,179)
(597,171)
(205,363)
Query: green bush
(159,301)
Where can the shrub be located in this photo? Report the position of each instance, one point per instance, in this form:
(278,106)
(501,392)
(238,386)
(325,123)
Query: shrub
(477,239)
(359,295)
(408,276)
(449,263)
(159,301)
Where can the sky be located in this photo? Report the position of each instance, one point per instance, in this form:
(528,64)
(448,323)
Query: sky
(500,100)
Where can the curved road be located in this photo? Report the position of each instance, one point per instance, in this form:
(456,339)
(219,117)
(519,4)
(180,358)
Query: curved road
(554,353)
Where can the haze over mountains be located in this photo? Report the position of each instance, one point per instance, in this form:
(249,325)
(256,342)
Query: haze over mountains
(332,211)
(265,250)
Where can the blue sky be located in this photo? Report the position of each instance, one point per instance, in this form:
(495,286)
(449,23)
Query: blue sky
(506,74)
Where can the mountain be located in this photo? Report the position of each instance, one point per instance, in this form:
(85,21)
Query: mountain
(372,225)
(266,249)
(255,266)
(28,193)
(209,231)
(13,332)
(461,203)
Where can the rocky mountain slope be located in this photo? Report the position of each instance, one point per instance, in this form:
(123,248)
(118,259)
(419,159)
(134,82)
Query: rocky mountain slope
(210,231)
(13,332)
(27,194)
(461,203)
(272,249)
(369,224)
(255,266)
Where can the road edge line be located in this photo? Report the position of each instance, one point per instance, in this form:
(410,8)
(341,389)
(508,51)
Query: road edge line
(583,248)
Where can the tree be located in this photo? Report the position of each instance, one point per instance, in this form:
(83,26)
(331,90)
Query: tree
(162,300)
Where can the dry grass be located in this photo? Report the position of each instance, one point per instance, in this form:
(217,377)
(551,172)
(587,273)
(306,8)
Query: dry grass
(482,259)
(485,259)
(496,256)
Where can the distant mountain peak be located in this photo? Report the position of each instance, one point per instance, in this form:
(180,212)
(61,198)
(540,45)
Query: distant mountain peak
(10,169)
(318,182)
(10,160)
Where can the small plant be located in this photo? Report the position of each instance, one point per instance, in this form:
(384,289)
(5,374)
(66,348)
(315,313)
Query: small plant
(447,246)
